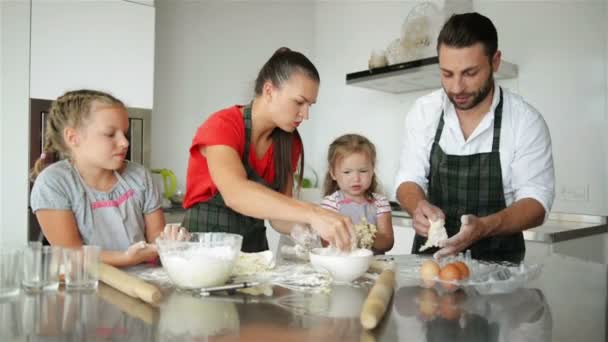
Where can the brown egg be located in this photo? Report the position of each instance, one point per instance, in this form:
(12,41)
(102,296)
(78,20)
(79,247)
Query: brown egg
(449,272)
(428,272)
(464,269)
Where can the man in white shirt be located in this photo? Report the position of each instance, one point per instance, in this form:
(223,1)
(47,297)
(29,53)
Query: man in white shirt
(473,153)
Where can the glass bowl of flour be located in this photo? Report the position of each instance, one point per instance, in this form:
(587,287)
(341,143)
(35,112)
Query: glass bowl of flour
(205,259)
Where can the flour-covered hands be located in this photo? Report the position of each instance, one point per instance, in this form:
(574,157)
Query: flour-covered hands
(472,229)
(141,252)
(332,227)
(173,231)
(424,213)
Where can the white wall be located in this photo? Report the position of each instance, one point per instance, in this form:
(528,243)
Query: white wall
(562,63)
(14,121)
(208,55)
(100,44)
(1,110)
(349,32)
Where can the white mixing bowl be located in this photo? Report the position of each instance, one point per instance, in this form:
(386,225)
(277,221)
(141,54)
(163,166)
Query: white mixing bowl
(343,267)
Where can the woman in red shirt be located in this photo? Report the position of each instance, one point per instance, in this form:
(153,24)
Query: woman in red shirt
(243,158)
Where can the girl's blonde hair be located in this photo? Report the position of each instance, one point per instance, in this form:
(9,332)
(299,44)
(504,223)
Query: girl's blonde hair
(344,146)
(72,109)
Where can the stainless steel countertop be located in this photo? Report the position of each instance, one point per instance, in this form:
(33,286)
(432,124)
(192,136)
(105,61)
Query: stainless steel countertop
(558,226)
(566,303)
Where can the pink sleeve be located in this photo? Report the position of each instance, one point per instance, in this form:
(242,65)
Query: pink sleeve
(382,204)
(329,202)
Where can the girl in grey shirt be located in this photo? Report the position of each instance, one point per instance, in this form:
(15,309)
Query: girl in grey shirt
(94,196)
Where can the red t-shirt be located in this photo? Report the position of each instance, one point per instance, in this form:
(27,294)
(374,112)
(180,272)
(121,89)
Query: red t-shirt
(226,127)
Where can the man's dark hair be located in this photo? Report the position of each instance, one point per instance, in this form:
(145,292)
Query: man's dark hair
(468,29)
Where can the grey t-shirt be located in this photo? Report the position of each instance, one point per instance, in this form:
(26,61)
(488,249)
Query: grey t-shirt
(112,220)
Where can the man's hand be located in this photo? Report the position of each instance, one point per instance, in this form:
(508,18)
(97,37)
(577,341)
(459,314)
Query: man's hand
(472,229)
(424,213)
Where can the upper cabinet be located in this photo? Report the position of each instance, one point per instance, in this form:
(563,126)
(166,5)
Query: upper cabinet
(412,76)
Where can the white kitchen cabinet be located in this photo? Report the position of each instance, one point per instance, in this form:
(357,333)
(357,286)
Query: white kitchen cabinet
(404,235)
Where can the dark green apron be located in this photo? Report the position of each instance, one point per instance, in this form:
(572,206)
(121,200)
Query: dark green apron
(471,184)
(215,216)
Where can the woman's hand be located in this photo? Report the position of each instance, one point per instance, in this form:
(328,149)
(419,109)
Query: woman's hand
(338,230)
(141,252)
(173,231)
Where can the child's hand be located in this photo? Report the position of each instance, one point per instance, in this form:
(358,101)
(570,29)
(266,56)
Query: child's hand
(141,251)
(173,231)
(332,227)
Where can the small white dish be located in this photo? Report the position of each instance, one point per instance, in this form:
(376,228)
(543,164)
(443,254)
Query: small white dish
(343,267)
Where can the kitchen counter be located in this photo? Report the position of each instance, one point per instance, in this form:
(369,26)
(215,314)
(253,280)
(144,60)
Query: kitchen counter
(566,303)
(558,226)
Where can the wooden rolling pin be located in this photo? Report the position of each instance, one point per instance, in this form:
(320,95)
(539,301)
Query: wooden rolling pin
(132,306)
(128,284)
(377,300)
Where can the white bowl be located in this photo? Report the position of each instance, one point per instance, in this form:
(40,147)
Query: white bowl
(343,267)
(206,259)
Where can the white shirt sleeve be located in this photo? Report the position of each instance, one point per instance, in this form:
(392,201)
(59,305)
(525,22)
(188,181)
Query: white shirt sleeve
(419,131)
(532,168)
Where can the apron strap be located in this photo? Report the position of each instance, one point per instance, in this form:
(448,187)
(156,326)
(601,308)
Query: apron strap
(439,129)
(497,124)
(251,174)
(248,125)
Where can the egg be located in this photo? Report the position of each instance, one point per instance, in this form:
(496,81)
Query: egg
(428,272)
(449,273)
(463,268)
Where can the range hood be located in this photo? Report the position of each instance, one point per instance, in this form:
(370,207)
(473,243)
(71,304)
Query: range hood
(412,76)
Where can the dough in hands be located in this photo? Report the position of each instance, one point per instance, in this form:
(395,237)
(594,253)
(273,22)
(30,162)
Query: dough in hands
(437,233)
(365,234)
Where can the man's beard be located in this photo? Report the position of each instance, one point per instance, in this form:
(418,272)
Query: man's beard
(477,96)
